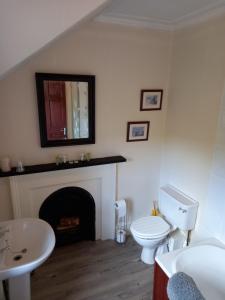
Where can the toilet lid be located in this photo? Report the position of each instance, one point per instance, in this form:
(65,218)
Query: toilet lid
(150,227)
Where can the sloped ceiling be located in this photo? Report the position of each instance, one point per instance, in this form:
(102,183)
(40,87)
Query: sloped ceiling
(26,26)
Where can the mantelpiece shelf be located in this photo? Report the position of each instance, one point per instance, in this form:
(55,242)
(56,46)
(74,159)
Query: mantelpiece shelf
(53,167)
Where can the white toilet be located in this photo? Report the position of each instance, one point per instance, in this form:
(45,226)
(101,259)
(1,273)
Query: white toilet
(178,210)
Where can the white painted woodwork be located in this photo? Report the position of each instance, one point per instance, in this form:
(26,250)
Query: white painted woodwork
(29,192)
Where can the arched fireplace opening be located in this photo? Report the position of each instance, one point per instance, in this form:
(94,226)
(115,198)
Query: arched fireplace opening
(71,213)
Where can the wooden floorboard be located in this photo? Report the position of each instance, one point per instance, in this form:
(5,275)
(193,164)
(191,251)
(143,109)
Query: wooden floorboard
(100,270)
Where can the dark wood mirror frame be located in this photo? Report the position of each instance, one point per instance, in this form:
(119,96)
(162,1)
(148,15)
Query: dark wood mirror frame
(90,79)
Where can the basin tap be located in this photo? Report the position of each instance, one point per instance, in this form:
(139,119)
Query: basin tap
(3,231)
(3,243)
(3,249)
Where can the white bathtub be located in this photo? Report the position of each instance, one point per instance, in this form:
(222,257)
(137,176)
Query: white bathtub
(204,262)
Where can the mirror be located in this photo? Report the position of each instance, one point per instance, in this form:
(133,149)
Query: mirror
(66,106)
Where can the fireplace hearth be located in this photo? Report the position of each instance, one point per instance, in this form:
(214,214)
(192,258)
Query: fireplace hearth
(71,213)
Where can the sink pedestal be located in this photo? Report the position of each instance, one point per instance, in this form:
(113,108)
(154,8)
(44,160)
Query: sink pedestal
(19,287)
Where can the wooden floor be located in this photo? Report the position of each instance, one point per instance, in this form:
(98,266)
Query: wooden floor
(101,270)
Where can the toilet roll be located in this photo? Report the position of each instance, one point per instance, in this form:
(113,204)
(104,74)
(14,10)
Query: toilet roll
(121,208)
(121,236)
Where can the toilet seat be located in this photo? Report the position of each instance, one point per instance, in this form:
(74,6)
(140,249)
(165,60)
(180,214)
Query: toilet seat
(151,227)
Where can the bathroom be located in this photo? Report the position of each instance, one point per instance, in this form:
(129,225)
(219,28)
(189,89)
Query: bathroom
(185,144)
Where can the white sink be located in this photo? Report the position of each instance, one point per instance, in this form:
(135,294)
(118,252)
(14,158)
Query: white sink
(24,245)
(206,265)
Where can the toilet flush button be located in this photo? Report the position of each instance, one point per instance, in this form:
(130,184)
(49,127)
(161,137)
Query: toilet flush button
(183,210)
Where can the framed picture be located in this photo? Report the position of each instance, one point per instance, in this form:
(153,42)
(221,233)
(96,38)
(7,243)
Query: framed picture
(151,99)
(137,131)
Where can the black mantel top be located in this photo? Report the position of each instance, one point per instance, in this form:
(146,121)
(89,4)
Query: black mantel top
(64,166)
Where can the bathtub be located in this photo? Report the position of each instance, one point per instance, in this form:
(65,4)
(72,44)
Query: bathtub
(204,262)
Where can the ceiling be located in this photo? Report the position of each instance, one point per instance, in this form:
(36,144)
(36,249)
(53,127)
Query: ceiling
(161,13)
(28,26)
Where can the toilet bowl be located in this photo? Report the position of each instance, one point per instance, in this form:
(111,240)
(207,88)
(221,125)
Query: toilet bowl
(149,232)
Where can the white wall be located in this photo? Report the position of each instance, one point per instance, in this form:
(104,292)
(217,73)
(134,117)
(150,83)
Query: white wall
(124,61)
(197,80)
(213,221)
(21,21)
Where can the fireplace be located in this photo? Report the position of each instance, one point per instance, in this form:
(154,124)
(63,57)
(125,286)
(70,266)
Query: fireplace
(71,213)
(30,191)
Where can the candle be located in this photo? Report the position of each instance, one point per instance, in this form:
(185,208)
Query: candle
(5,164)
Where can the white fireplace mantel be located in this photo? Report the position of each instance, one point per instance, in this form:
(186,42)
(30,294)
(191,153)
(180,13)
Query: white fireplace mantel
(28,192)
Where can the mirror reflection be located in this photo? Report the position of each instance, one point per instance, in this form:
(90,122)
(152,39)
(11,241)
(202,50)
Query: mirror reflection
(66,104)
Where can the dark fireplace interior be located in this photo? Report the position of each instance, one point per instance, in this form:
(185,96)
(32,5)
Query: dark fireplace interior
(71,213)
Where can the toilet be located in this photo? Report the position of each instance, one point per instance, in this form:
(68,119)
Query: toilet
(178,211)
(149,232)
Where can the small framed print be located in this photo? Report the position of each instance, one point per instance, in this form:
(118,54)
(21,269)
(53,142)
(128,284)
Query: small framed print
(137,131)
(151,99)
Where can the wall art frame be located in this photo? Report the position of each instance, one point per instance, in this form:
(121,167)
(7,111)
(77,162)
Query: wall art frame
(151,99)
(137,131)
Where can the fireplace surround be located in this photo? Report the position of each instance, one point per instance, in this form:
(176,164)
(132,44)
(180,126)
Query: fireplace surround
(28,192)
